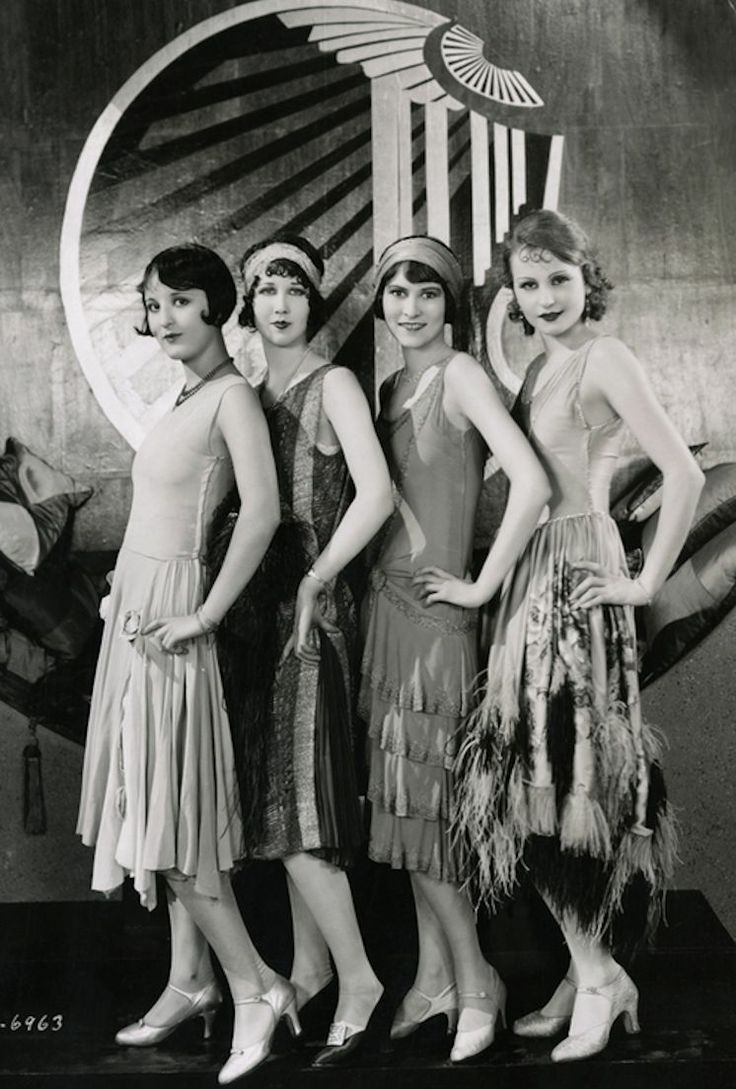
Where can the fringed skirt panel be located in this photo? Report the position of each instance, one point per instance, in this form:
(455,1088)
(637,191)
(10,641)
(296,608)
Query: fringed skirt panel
(556,769)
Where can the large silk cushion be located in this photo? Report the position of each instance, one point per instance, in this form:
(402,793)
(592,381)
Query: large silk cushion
(35,503)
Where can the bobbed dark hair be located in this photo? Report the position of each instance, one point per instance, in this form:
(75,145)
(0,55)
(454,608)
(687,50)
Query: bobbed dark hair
(282,266)
(190,266)
(567,241)
(416,272)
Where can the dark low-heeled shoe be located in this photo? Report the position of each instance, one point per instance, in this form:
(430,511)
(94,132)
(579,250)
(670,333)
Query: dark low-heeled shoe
(346,1042)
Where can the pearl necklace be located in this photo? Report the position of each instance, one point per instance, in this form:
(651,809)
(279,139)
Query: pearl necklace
(184,394)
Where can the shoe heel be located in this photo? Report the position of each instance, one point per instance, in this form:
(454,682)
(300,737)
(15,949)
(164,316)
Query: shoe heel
(502,1007)
(208,1016)
(292,1020)
(631,1020)
(452,1016)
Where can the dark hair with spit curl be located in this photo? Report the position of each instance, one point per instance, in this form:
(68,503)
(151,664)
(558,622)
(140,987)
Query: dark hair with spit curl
(562,237)
(281,266)
(416,273)
(189,266)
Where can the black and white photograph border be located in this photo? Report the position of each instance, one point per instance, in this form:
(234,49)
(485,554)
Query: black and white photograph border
(131,127)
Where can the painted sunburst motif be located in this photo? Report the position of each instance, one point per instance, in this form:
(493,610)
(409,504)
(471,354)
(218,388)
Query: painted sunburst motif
(463,54)
(338,119)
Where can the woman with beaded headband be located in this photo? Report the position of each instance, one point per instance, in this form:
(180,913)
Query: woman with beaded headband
(557,772)
(438,415)
(288,648)
(159,791)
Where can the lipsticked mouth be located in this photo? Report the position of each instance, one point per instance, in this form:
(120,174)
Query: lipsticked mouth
(411,326)
(553,316)
(281,324)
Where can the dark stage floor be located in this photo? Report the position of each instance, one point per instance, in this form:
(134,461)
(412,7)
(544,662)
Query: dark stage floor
(73,973)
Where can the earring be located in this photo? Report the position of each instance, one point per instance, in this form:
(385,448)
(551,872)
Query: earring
(586,308)
(513,310)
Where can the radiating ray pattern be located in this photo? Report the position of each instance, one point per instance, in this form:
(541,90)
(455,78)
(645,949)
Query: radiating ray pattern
(268,126)
(464,55)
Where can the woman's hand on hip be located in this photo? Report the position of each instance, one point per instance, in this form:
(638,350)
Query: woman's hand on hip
(436,585)
(601,587)
(308,616)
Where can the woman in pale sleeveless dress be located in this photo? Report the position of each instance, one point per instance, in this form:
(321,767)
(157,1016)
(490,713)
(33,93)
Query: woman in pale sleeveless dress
(557,771)
(438,416)
(159,793)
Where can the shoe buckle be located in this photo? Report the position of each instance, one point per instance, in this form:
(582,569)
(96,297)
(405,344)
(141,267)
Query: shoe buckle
(338,1034)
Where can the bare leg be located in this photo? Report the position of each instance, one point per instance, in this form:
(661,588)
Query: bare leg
(191,965)
(326,893)
(435,968)
(454,913)
(221,923)
(311,969)
(591,965)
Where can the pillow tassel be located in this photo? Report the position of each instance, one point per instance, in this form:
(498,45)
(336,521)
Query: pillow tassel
(34,807)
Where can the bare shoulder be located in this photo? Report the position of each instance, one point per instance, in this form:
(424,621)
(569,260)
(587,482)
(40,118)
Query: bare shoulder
(607,349)
(340,382)
(462,368)
(611,361)
(240,396)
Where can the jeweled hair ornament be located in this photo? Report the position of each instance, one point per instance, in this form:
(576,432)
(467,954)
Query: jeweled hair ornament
(426,251)
(259,261)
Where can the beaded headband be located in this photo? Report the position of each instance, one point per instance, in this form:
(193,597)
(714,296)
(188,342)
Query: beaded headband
(259,261)
(425,250)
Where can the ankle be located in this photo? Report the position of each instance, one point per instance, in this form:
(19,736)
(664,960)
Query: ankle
(433,980)
(310,982)
(597,974)
(191,983)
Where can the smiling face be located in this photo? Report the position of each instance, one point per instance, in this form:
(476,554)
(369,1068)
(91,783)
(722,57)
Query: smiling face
(550,292)
(414,313)
(281,310)
(175,319)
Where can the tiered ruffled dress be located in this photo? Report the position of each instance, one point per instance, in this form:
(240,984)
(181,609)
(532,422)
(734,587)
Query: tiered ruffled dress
(158,788)
(420,661)
(557,770)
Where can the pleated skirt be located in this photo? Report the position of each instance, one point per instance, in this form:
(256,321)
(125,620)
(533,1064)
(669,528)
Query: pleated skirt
(159,790)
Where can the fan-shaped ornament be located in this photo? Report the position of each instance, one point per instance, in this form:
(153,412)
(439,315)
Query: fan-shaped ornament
(350,122)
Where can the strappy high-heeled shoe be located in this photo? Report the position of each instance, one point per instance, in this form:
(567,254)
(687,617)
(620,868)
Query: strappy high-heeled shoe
(444,1003)
(470,1042)
(539,1024)
(204,1004)
(345,1041)
(621,998)
(281,999)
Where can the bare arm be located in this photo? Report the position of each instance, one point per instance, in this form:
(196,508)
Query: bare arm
(615,378)
(243,428)
(347,410)
(469,395)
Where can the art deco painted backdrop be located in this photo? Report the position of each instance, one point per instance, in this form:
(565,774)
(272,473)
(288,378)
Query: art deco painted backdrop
(127,126)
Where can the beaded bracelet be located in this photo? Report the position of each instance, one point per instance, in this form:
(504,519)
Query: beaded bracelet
(312,574)
(206,624)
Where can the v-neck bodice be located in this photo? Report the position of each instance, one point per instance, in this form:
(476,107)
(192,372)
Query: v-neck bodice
(580,458)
